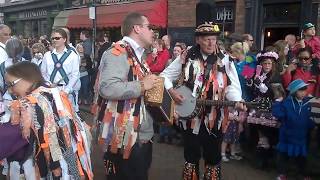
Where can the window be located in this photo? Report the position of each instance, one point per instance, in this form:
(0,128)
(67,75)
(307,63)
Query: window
(289,13)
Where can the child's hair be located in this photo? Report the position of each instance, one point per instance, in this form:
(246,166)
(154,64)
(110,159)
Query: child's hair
(27,71)
(278,90)
(40,47)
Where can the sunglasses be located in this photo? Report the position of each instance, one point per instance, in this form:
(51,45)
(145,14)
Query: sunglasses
(149,26)
(304,58)
(13,83)
(56,38)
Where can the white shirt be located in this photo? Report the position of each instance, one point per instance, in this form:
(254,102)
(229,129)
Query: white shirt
(70,65)
(3,53)
(36,61)
(172,72)
(233,91)
(138,50)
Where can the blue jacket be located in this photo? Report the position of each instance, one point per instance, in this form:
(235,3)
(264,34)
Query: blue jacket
(295,124)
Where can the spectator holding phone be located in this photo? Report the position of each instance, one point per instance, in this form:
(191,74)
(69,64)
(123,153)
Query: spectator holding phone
(159,57)
(309,39)
(303,69)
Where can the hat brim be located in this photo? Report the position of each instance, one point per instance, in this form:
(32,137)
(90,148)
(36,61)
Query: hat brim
(207,33)
(304,29)
(295,89)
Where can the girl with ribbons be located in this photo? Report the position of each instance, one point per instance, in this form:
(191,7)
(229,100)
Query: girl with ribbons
(262,121)
(58,147)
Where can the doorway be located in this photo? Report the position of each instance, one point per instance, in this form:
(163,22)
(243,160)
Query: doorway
(271,35)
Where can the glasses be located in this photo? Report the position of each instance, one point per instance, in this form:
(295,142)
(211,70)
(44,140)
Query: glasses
(251,40)
(56,38)
(149,26)
(13,83)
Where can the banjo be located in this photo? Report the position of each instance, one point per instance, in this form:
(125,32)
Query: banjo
(192,106)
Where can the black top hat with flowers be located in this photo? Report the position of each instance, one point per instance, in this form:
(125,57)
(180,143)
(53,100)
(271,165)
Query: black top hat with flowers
(207,28)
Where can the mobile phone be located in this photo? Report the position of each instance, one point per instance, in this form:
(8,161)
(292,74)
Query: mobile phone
(301,35)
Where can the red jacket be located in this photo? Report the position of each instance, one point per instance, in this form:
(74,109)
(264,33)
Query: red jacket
(313,43)
(306,76)
(158,65)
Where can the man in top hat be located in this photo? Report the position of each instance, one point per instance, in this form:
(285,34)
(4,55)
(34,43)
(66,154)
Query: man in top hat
(310,39)
(209,75)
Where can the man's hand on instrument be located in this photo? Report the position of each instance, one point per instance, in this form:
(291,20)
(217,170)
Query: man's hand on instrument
(241,106)
(177,97)
(150,81)
(183,57)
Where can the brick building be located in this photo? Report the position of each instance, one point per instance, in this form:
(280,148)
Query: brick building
(266,20)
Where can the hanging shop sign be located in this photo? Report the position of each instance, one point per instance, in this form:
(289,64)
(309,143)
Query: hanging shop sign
(41,13)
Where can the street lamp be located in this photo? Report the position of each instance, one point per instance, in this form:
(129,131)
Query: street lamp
(93,16)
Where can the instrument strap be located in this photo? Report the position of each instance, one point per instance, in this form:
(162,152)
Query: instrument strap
(134,57)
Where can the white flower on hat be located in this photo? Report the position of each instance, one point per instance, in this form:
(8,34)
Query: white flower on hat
(268,54)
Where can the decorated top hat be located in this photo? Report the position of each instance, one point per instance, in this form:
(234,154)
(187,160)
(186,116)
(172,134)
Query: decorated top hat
(207,29)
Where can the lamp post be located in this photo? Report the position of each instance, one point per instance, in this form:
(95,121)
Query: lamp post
(93,16)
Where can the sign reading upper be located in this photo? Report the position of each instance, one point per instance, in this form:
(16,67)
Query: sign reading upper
(38,13)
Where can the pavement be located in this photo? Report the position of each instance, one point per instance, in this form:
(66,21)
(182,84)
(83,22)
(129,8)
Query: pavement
(168,161)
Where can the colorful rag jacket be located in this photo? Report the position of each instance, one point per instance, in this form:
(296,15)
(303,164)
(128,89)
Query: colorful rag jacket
(59,139)
(118,121)
(211,87)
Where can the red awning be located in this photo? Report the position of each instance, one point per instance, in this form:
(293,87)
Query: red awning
(112,15)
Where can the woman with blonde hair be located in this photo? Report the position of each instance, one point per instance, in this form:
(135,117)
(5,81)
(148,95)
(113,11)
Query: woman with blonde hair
(245,66)
(282,48)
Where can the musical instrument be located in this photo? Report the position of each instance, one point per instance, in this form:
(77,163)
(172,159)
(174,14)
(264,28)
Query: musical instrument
(154,96)
(191,106)
(165,110)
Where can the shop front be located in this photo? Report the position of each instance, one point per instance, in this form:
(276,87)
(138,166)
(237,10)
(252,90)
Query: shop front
(31,19)
(109,17)
(183,19)
(271,20)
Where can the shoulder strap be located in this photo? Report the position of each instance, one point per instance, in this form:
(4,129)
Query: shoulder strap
(58,66)
(3,71)
(73,49)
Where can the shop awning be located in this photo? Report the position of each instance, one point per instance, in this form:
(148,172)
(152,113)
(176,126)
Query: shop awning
(112,15)
(61,19)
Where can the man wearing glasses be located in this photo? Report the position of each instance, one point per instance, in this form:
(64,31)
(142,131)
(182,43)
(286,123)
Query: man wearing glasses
(248,39)
(127,128)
